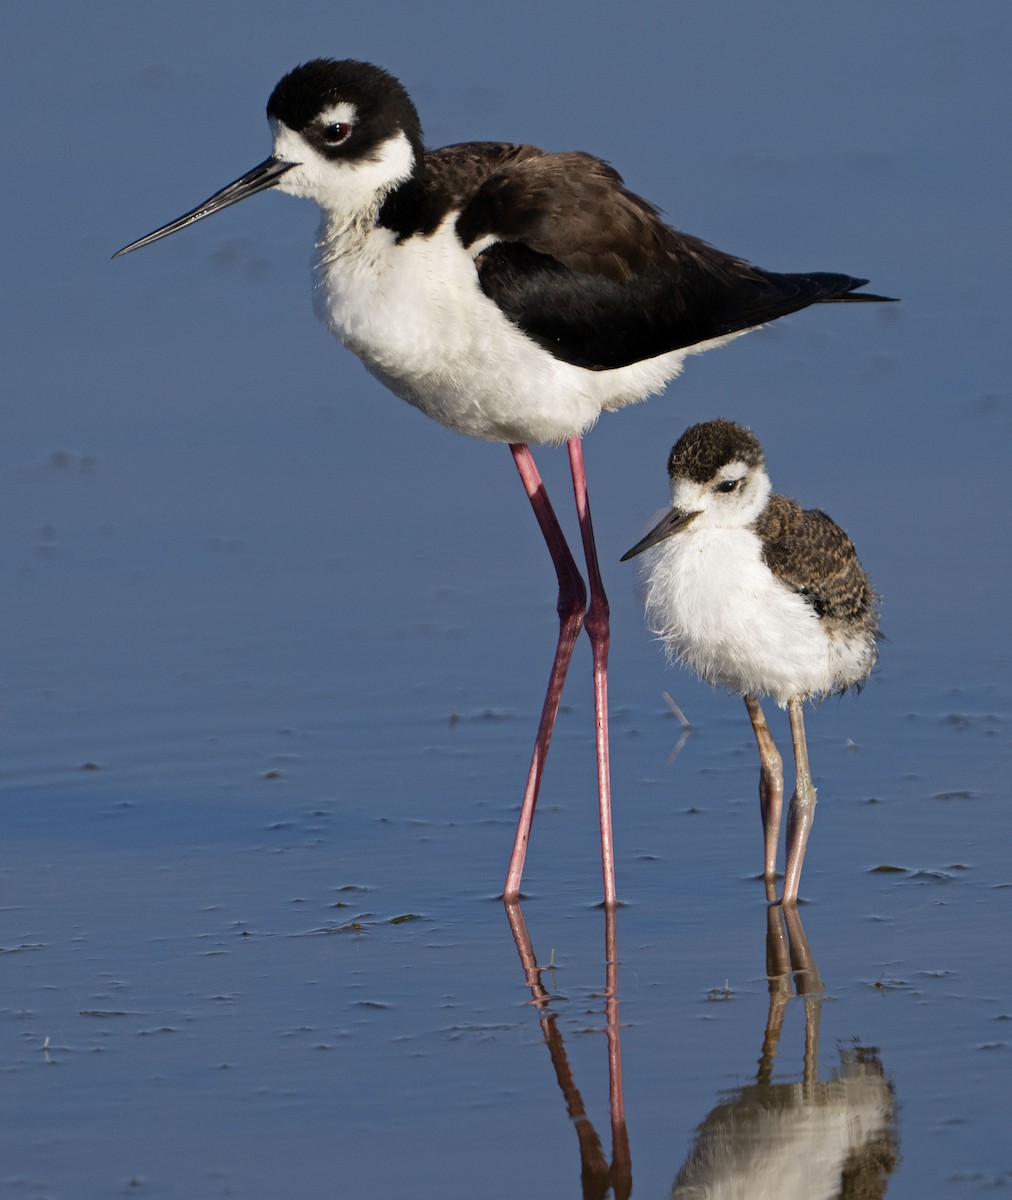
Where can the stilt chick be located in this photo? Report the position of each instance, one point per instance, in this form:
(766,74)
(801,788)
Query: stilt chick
(759,595)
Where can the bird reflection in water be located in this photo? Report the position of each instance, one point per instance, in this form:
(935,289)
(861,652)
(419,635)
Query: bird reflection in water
(598,1177)
(813,1139)
(808,1140)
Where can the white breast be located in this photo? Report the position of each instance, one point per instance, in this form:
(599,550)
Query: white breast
(721,612)
(416,316)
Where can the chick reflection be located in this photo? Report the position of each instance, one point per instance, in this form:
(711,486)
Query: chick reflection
(597,1177)
(811,1140)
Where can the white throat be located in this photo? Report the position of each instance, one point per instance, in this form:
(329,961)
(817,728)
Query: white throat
(717,510)
(348,191)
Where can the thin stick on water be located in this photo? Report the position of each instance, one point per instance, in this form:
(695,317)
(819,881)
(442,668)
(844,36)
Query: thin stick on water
(685,724)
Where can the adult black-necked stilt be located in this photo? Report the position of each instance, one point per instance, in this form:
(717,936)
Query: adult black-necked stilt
(756,594)
(510,294)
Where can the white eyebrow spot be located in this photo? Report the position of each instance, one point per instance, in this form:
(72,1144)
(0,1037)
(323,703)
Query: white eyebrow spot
(733,470)
(342,113)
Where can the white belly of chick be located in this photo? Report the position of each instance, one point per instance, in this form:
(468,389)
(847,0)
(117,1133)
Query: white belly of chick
(713,601)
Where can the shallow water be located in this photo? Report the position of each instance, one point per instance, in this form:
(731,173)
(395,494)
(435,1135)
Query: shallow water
(237,986)
(276,646)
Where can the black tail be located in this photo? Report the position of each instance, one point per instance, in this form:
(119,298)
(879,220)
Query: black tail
(833,289)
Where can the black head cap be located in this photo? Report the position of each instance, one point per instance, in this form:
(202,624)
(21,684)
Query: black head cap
(703,449)
(380,100)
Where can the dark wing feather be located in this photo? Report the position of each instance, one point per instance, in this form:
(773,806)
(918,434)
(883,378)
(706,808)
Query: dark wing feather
(447,179)
(460,171)
(588,269)
(572,207)
(813,556)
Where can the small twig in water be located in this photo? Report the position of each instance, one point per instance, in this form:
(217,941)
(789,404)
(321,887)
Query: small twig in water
(685,724)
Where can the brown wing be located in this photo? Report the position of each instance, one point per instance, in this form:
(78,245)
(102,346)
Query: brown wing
(588,269)
(459,171)
(576,208)
(572,207)
(813,556)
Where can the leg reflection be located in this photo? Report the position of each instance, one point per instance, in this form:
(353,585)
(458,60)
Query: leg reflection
(598,1178)
(834,1137)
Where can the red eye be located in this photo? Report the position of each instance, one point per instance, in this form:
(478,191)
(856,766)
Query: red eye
(336,132)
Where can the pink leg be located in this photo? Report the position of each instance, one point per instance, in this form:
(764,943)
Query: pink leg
(771,792)
(571,606)
(802,810)
(599,633)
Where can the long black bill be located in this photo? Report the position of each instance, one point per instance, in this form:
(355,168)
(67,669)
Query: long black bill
(263,176)
(669,524)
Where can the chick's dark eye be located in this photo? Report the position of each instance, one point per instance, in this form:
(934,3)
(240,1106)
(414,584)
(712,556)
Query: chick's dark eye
(728,485)
(336,132)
